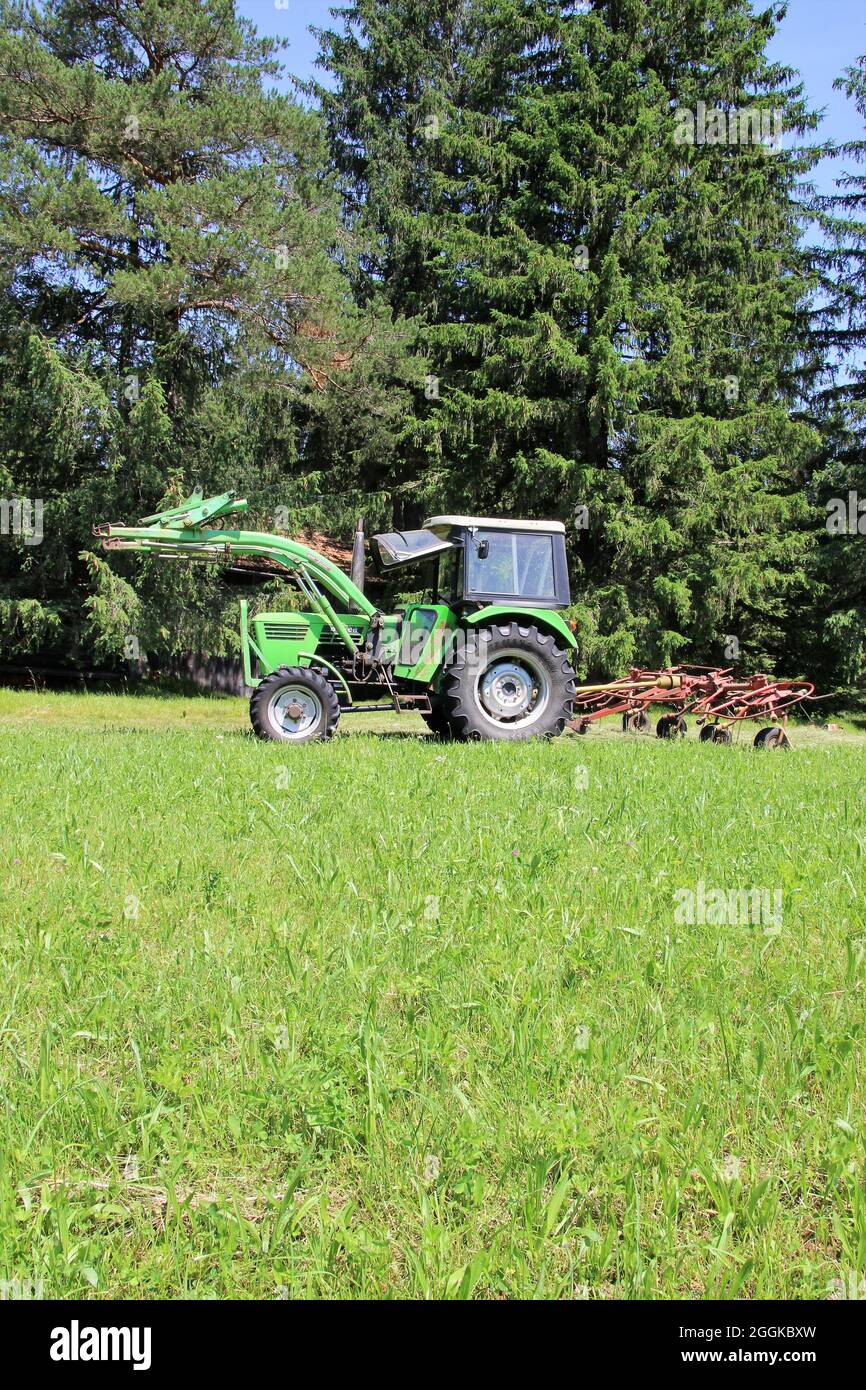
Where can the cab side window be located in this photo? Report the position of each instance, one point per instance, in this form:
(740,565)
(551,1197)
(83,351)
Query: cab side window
(518,564)
(450,582)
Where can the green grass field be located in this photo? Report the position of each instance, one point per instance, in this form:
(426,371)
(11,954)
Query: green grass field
(388,1017)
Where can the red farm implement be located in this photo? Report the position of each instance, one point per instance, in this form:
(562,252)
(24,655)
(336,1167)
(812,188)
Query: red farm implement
(713,697)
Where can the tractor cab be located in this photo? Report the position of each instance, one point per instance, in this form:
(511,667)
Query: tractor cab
(481,560)
(520,563)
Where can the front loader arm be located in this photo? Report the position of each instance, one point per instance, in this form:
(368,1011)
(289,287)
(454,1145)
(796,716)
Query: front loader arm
(189,539)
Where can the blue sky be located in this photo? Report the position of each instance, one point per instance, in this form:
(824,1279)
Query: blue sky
(818,37)
(291,23)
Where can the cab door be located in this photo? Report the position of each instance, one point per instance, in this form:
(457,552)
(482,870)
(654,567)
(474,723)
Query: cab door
(423,640)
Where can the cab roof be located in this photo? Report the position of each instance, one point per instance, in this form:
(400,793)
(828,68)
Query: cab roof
(490,523)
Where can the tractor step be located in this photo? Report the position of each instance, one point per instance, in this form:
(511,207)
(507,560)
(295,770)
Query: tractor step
(366,709)
(404,704)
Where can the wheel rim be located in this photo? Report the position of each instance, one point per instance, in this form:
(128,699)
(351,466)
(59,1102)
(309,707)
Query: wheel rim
(294,710)
(513,690)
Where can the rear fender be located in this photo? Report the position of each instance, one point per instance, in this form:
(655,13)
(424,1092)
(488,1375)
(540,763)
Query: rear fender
(543,618)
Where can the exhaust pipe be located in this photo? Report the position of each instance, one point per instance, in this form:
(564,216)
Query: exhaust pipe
(357,571)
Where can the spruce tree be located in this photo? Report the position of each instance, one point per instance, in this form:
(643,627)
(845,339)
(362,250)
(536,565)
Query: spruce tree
(834,638)
(614,312)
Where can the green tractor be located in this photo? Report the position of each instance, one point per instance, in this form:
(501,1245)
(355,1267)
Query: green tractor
(488,656)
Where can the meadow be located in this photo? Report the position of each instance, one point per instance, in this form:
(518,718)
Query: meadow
(394,1018)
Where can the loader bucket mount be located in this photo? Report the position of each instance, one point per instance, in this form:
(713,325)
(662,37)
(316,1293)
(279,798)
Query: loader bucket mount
(185,532)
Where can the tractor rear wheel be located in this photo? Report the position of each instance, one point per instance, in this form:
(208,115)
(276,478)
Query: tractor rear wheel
(294,705)
(437,720)
(508,682)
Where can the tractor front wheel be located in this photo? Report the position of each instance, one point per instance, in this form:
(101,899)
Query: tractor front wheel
(294,705)
(508,682)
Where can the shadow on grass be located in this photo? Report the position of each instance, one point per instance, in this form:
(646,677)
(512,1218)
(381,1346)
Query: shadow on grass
(343,732)
(98,683)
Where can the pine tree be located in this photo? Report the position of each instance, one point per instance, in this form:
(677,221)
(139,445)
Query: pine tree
(176,304)
(614,312)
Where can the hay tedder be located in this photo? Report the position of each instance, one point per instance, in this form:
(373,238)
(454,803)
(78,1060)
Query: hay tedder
(488,656)
(713,696)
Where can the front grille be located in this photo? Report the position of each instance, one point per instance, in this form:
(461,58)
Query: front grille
(285,632)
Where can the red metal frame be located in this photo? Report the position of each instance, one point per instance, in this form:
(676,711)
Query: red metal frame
(711,694)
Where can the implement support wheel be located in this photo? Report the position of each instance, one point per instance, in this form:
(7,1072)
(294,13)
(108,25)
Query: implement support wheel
(773,738)
(636,723)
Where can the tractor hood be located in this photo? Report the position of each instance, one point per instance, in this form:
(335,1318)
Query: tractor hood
(395,548)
